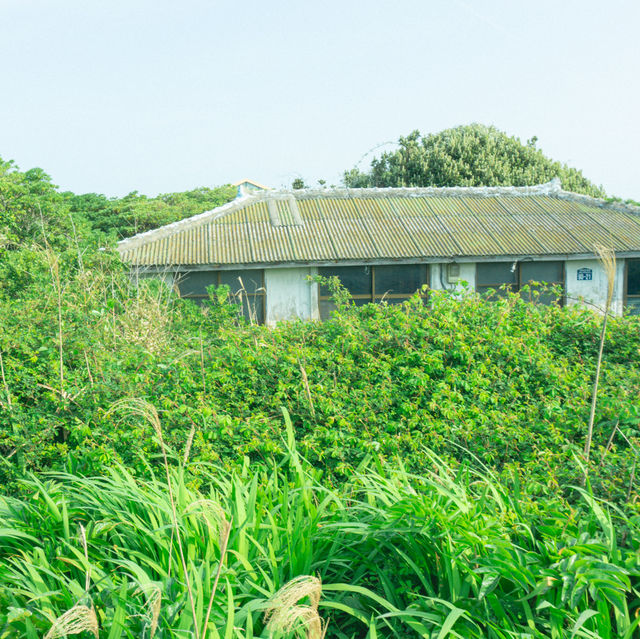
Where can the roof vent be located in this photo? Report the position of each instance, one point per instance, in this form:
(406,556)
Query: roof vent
(274,214)
(295,211)
(284,211)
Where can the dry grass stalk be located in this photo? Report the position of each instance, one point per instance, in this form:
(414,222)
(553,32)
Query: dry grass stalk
(4,383)
(153,595)
(148,412)
(284,614)
(633,477)
(204,383)
(14,425)
(187,448)
(153,604)
(225,531)
(212,513)
(145,321)
(607,448)
(242,294)
(75,239)
(54,269)
(307,388)
(76,620)
(608,260)
(86,359)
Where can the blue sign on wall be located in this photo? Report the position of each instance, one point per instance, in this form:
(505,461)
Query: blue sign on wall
(585,274)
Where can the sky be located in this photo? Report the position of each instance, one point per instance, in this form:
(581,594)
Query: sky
(111,96)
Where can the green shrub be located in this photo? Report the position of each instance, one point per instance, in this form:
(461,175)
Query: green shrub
(507,380)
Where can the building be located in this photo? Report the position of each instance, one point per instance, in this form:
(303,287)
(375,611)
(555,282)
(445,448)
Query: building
(385,244)
(246,185)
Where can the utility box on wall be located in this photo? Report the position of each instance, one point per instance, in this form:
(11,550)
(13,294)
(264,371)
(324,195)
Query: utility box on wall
(453,273)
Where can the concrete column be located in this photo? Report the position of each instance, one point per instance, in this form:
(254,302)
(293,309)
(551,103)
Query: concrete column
(593,292)
(441,278)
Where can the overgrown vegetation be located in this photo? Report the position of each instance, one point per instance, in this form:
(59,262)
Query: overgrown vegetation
(509,381)
(423,480)
(441,554)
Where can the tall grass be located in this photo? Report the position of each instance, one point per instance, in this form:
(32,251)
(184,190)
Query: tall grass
(451,553)
(608,260)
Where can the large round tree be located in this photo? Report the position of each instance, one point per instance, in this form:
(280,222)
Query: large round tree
(474,155)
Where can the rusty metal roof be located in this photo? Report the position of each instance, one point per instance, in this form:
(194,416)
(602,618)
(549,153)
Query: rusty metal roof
(317,226)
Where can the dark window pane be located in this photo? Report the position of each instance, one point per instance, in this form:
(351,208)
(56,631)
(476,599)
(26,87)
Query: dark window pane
(633,277)
(494,274)
(393,300)
(252,307)
(405,278)
(325,307)
(356,279)
(250,280)
(196,282)
(539,295)
(497,292)
(633,305)
(550,272)
(546,272)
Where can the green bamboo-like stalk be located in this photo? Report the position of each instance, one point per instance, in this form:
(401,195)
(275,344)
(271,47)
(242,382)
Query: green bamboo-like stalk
(452,551)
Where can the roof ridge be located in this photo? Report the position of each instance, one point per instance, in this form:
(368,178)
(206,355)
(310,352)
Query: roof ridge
(548,188)
(188,222)
(605,204)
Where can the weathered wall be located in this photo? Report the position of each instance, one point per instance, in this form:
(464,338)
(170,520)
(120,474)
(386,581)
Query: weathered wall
(439,280)
(290,295)
(593,292)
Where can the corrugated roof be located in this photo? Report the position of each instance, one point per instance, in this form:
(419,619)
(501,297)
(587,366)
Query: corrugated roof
(336,225)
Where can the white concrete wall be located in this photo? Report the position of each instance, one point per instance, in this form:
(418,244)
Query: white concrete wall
(439,281)
(290,295)
(594,292)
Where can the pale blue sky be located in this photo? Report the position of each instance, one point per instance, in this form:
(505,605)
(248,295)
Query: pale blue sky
(115,95)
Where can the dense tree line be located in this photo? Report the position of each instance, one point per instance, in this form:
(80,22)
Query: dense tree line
(32,208)
(36,217)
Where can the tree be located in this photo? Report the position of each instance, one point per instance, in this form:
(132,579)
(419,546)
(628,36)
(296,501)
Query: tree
(474,155)
(31,209)
(135,213)
(35,217)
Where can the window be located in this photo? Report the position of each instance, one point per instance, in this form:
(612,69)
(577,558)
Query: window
(246,287)
(392,284)
(516,275)
(632,289)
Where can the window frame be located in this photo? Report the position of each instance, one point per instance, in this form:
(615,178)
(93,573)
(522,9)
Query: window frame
(516,286)
(260,291)
(626,296)
(375,297)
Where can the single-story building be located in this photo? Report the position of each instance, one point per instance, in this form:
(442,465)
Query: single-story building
(384,244)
